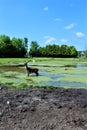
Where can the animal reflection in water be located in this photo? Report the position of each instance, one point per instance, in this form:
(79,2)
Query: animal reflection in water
(31,70)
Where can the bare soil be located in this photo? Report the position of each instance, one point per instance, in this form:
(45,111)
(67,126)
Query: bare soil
(43,109)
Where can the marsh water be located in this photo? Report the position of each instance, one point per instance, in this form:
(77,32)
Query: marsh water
(68,76)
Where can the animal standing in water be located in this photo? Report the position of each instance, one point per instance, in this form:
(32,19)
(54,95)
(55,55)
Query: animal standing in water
(31,70)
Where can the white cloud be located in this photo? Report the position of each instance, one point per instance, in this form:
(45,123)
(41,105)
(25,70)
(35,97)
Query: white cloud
(57,19)
(70,26)
(49,39)
(80,34)
(64,40)
(46,8)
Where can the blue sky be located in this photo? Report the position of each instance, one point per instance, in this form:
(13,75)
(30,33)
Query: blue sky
(46,21)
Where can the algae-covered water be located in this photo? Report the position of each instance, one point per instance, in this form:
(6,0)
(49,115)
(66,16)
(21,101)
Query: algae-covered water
(57,74)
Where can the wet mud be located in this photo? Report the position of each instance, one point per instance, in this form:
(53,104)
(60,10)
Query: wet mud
(43,109)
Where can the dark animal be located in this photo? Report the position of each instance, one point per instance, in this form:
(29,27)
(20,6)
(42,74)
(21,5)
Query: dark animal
(31,70)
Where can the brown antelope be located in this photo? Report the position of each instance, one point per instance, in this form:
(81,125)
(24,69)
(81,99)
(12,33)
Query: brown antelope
(31,70)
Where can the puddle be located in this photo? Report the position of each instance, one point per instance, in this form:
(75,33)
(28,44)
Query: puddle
(51,76)
(56,76)
(68,84)
(81,65)
(78,65)
(64,84)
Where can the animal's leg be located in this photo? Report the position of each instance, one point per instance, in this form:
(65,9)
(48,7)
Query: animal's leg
(37,74)
(27,73)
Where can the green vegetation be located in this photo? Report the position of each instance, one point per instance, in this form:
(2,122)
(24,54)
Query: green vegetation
(52,72)
(15,47)
(18,48)
(14,53)
(54,50)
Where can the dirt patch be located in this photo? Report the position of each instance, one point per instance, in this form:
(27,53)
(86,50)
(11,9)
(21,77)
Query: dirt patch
(43,109)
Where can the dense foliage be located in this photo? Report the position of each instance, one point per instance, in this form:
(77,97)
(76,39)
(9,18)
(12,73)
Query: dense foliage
(17,47)
(14,47)
(52,50)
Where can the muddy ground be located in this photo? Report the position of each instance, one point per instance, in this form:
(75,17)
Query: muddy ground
(43,109)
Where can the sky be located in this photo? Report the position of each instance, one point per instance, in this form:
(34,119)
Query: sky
(46,21)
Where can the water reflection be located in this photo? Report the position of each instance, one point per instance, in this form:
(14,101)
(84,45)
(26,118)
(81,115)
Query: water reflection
(11,68)
(68,84)
(80,65)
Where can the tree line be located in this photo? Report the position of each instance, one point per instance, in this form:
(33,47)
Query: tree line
(63,51)
(17,47)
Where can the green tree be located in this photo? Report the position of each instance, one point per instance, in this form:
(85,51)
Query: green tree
(5,39)
(5,44)
(55,50)
(50,51)
(26,42)
(19,47)
(73,51)
(34,49)
(16,47)
(26,46)
(42,52)
(64,50)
